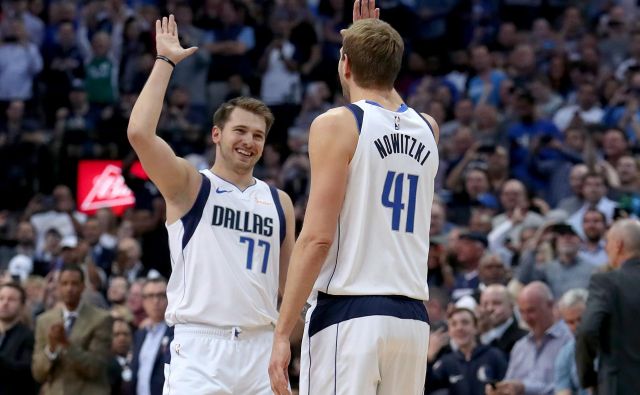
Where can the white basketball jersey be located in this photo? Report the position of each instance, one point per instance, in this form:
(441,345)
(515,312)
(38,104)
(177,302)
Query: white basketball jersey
(225,256)
(381,242)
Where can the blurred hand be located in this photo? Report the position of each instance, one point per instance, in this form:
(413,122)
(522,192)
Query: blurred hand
(510,387)
(437,340)
(56,336)
(167,43)
(279,365)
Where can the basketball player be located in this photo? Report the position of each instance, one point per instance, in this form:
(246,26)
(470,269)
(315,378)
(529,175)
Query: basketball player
(230,236)
(365,233)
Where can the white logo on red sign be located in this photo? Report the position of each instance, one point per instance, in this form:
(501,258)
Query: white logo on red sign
(108,190)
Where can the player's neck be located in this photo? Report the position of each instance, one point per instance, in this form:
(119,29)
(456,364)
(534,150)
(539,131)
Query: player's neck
(242,180)
(387,98)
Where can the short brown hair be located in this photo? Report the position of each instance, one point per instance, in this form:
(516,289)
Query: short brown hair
(250,104)
(375,51)
(457,310)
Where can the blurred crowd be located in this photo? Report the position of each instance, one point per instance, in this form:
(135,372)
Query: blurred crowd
(538,103)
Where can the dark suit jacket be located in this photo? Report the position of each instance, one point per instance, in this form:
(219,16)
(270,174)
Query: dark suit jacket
(163,356)
(15,362)
(610,330)
(509,338)
(82,368)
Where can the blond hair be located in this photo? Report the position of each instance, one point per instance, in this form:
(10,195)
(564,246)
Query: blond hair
(374,50)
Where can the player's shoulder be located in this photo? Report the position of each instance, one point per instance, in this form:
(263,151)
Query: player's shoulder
(334,116)
(432,124)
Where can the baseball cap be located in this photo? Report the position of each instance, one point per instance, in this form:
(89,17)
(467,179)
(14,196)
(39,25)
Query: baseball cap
(564,229)
(20,266)
(475,236)
(69,242)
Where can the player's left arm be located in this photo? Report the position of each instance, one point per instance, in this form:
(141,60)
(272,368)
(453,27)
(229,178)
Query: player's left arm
(289,238)
(332,141)
(434,126)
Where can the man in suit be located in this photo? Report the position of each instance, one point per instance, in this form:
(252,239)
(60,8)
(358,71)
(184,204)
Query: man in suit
(73,342)
(613,308)
(16,343)
(151,343)
(500,328)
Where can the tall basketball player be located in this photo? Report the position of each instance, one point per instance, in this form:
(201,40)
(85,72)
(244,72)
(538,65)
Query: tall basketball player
(230,236)
(363,247)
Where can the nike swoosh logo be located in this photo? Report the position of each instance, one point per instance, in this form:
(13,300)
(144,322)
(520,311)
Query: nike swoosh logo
(218,190)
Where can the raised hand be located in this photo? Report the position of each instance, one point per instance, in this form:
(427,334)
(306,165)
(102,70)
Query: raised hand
(167,43)
(364,9)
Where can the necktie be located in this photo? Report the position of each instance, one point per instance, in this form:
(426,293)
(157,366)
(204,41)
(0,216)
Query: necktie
(71,320)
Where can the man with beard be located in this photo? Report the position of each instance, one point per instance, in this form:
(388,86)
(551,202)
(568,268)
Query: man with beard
(592,250)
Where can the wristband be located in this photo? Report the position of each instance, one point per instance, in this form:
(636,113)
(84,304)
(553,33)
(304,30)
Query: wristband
(166,59)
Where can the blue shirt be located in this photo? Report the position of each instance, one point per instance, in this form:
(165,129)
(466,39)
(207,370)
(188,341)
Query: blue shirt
(566,371)
(521,135)
(533,364)
(148,353)
(475,88)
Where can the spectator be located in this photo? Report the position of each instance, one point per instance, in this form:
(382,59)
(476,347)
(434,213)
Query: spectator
(20,62)
(627,194)
(529,139)
(586,109)
(517,214)
(532,358)
(192,73)
(151,343)
(127,262)
(613,307)
(63,64)
(73,342)
(567,271)
(101,70)
(472,364)
(228,44)
(499,326)
(484,87)
(62,216)
(120,375)
(593,247)
(16,343)
(571,306)
(101,255)
(469,250)
(572,203)
(117,294)
(25,244)
(134,302)
(594,192)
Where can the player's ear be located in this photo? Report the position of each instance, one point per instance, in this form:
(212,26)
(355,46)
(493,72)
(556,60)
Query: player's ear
(216,134)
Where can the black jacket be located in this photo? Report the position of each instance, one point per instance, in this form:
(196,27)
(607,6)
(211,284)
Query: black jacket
(16,350)
(610,330)
(464,377)
(163,356)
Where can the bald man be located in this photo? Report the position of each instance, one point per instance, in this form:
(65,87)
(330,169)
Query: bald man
(496,306)
(610,326)
(532,358)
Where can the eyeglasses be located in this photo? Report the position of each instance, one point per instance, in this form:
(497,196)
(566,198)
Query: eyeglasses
(160,295)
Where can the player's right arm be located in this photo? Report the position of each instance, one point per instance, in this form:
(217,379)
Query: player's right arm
(176,179)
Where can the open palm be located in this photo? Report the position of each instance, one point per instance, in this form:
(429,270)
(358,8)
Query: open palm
(167,43)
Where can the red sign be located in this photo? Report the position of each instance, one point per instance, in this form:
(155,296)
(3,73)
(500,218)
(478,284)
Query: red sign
(100,184)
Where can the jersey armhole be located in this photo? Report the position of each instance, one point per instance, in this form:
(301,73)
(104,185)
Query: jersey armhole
(191,219)
(281,218)
(427,122)
(358,113)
